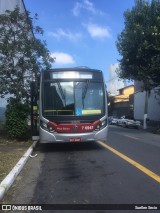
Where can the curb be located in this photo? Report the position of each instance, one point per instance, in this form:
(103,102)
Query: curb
(10,178)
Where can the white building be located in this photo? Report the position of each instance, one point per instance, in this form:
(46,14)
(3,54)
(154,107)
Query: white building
(139,103)
(10,5)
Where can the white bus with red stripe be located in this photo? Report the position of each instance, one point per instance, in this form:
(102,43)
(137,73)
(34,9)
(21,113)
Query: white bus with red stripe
(72,106)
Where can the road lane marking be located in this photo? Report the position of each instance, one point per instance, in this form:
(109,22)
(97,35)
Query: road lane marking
(128,136)
(132,137)
(134,163)
(140,139)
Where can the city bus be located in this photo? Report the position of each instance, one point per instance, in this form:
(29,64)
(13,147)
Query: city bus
(72,106)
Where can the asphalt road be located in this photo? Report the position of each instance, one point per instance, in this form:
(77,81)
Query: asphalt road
(124,171)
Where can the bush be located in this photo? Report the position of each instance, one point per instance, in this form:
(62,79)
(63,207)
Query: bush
(16,119)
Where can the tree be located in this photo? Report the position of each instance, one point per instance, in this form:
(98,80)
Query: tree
(21,54)
(16,119)
(139,45)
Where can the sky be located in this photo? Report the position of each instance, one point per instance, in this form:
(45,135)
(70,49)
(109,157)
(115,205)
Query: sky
(81,32)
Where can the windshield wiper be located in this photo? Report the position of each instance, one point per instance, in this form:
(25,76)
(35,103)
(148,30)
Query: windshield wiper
(85,92)
(61,90)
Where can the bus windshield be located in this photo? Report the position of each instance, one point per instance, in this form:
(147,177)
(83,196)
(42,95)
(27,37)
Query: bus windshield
(77,98)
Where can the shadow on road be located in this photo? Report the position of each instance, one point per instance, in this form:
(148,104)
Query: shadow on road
(54,147)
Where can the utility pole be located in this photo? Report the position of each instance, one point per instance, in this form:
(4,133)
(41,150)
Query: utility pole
(145,110)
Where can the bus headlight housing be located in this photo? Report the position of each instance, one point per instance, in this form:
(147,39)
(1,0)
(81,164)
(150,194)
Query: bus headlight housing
(43,125)
(47,126)
(104,123)
(101,125)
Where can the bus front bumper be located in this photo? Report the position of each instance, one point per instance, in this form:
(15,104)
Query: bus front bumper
(48,137)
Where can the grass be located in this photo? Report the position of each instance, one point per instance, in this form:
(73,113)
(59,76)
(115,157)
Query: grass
(10,153)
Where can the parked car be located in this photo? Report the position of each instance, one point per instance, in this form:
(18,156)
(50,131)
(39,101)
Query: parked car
(113,120)
(128,121)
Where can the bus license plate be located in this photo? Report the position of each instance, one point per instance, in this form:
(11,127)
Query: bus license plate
(75,140)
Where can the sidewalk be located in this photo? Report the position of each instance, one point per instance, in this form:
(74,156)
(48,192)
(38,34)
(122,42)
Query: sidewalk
(153,130)
(11,152)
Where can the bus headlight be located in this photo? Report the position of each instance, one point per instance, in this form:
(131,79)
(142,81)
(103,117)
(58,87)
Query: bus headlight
(100,124)
(43,124)
(103,124)
(51,126)
(47,126)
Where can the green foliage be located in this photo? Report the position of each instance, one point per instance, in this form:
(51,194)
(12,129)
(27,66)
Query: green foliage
(16,119)
(139,44)
(21,53)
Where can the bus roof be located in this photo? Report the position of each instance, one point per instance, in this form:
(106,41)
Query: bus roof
(75,69)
